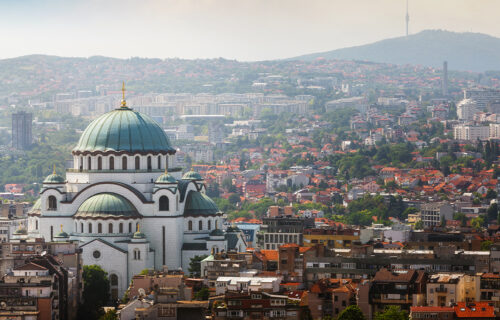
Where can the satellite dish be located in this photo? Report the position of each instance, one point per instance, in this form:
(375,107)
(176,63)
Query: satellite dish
(43,253)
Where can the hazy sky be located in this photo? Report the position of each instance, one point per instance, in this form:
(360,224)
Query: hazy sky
(235,29)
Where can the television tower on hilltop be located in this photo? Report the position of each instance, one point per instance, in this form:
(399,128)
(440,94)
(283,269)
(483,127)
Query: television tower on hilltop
(407,18)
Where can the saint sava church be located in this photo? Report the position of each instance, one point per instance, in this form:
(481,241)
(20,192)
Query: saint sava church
(125,204)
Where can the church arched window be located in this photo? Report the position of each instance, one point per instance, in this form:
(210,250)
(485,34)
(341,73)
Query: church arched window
(99,228)
(150,165)
(137,254)
(89,163)
(137,163)
(111,163)
(52,203)
(99,163)
(159,162)
(164,203)
(90,227)
(110,228)
(130,227)
(200,225)
(209,224)
(113,279)
(190,225)
(81,227)
(120,228)
(124,163)
(81,163)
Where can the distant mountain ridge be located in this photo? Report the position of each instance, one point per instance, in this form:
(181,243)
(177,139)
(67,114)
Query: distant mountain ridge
(464,51)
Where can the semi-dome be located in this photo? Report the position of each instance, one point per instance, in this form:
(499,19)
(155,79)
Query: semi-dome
(198,203)
(124,130)
(107,205)
(36,207)
(192,175)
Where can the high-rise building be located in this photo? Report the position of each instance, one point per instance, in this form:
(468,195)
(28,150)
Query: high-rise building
(444,80)
(466,109)
(482,96)
(21,130)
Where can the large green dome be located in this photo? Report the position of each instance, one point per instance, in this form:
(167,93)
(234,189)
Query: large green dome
(124,130)
(107,205)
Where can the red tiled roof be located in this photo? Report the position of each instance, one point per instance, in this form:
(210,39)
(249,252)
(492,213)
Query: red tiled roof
(431,309)
(270,254)
(474,310)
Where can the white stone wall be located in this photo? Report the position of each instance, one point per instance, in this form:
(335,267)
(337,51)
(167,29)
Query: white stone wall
(111,260)
(137,264)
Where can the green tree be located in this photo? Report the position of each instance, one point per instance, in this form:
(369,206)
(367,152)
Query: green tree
(419,225)
(95,292)
(110,315)
(391,313)
(234,198)
(477,223)
(460,216)
(492,212)
(203,294)
(485,245)
(351,313)
(491,194)
(409,210)
(195,265)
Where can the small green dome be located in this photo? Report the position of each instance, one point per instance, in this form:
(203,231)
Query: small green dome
(107,205)
(192,175)
(166,178)
(216,233)
(54,179)
(139,235)
(61,234)
(198,203)
(124,130)
(20,231)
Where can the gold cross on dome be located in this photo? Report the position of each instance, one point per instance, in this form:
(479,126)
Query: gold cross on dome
(124,103)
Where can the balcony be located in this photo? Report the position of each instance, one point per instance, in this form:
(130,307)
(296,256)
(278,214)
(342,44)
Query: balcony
(391,298)
(441,290)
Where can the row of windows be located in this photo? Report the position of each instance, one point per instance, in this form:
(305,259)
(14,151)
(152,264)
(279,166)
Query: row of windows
(281,238)
(99,227)
(164,204)
(200,225)
(124,163)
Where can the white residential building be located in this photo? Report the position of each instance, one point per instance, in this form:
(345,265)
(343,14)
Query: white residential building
(471,133)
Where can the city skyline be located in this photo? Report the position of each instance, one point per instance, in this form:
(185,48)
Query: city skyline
(245,31)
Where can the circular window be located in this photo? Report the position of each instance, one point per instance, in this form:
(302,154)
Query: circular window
(96,254)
